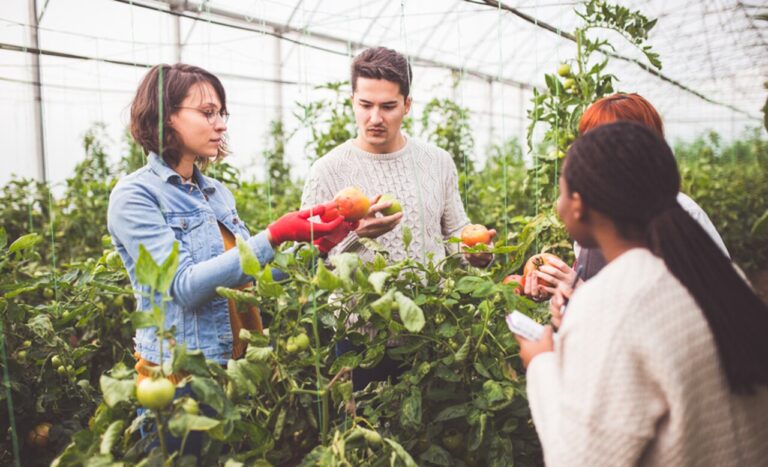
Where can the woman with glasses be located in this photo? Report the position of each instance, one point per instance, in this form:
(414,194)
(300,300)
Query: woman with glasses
(179,117)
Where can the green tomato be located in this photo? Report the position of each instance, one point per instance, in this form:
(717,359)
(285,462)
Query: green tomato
(21,354)
(301,341)
(27,343)
(569,83)
(483,349)
(453,440)
(66,314)
(61,370)
(155,394)
(48,292)
(70,370)
(439,318)
(56,361)
(394,209)
(114,262)
(291,346)
(118,301)
(190,406)
(564,70)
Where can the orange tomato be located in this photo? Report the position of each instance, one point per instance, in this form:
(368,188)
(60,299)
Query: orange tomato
(473,234)
(515,278)
(535,262)
(349,202)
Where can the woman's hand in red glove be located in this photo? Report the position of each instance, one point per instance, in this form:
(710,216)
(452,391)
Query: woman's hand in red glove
(295,226)
(326,244)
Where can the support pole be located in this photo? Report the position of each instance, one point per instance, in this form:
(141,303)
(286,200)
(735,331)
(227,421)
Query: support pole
(278,76)
(37,93)
(177,6)
(490,111)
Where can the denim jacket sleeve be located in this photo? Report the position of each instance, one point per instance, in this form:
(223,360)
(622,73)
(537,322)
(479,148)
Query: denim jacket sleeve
(135,218)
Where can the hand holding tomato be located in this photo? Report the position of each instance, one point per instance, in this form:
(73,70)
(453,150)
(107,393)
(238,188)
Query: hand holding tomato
(296,226)
(473,235)
(543,273)
(372,226)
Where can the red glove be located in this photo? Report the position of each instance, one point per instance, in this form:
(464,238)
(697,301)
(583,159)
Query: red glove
(296,226)
(326,244)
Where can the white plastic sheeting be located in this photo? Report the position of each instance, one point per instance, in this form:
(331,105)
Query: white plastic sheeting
(716,47)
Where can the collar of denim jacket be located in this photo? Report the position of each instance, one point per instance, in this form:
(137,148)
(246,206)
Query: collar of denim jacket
(159,166)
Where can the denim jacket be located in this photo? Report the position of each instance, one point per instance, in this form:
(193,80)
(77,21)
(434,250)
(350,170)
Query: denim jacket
(153,207)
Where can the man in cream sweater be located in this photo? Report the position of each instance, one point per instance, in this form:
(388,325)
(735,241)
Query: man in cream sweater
(381,160)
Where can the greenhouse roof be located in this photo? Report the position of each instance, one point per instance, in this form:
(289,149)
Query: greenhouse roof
(271,54)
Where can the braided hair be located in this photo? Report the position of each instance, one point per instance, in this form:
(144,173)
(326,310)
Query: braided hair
(627,172)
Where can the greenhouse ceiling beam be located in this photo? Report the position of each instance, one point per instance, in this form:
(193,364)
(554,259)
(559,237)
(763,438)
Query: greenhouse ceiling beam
(278,30)
(544,25)
(52,53)
(373,21)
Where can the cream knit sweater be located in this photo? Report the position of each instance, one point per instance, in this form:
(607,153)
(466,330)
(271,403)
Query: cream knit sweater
(422,176)
(635,379)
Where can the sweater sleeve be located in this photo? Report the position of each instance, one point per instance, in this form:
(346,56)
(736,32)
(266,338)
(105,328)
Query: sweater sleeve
(592,400)
(134,219)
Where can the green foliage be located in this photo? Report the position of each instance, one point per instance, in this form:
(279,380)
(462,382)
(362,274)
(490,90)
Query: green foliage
(730,182)
(331,121)
(287,404)
(446,124)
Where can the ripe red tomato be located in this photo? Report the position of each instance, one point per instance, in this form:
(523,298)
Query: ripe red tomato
(535,262)
(155,394)
(515,278)
(473,234)
(38,436)
(348,202)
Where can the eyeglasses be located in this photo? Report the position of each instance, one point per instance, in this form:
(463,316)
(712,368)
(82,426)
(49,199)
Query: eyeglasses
(210,114)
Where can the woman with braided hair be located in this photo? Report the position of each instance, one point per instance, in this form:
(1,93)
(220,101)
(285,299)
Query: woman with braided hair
(663,358)
(609,109)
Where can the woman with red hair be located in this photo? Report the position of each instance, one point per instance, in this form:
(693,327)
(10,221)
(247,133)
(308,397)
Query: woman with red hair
(609,109)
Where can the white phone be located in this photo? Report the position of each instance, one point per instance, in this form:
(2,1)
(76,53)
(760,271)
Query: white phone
(524,326)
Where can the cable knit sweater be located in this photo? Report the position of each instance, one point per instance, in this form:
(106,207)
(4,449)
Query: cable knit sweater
(422,176)
(635,379)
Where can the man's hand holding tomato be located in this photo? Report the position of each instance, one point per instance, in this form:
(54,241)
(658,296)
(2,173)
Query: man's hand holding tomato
(373,226)
(531,349)
(475,234)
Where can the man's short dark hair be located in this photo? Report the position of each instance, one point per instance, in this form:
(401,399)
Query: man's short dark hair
(383,63)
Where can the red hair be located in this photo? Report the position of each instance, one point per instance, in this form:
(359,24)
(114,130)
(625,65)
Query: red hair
(616,107)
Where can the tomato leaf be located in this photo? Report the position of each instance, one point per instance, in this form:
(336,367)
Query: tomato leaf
(183,423)
(760,227)
(24,242)
(410,314)
(147,271)
(325,279)
(167,271)
(143,319)
(111,436)
(116,390)
(377,279)
(248,261)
